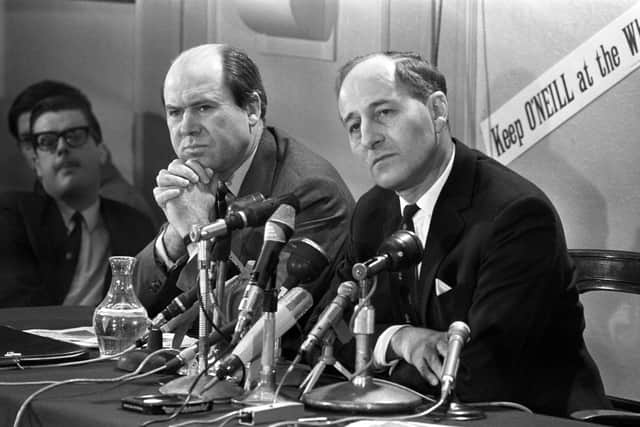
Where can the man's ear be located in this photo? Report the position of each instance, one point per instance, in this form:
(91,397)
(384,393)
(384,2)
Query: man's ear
(103,153)
(439,109)
(254,109)
(36,166)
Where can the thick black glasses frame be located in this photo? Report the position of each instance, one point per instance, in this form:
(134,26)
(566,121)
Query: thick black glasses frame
(73,137)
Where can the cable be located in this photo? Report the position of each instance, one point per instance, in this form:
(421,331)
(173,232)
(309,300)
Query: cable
(184,404)
(226,337)
(124,378)
(361,305)
(226,417)
(436,36)
(290,369)
(486,67)
(427,411)
(507,404)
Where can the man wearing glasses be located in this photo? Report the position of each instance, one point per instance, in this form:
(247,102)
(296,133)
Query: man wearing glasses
(112,184)
(56,243)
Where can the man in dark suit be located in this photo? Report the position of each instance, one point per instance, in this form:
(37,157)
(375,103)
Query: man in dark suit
(56,242)
(112,184)
(215,108)
(495,255)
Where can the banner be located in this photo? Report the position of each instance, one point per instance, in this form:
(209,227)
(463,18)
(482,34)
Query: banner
(564,89)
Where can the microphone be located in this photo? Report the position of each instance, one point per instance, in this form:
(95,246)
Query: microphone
(253,215)
(400,250)
(291,307)
(277,231)
(246,201)
(458,336)
(306,261)
(190,352)
(177,306)
(346,294)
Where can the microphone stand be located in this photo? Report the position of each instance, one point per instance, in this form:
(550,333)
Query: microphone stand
(264,392)
(362,393)
(326,359)
(224,390)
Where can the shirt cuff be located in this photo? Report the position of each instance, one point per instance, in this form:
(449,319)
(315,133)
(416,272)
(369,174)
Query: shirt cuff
(380,349)
(161,251)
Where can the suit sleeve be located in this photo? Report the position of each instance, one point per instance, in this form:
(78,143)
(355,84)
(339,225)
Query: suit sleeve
(19,277)
(523,272)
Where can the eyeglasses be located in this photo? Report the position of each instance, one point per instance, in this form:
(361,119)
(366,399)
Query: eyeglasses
(73,137)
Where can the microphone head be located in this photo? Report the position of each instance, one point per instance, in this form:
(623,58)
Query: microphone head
(403,248)
(256,214)
(289,199)
(246,201)
(285,218)
(459,329)
(306,261)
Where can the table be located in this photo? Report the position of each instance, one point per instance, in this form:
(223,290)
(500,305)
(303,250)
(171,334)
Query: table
(98,405)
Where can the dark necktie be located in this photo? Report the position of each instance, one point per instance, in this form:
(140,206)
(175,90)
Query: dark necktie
(407,217)
(408,277)
(71,252)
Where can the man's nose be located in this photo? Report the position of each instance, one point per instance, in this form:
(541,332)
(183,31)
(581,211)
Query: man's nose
(190,125)
(62,146)
(370,134)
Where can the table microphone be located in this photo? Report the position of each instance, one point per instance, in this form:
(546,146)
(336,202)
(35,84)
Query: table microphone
(458,333)
(400,250)
(277,231)
(346,293)
(291,307)
(177,306)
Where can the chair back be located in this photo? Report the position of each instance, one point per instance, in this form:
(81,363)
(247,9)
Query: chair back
(609,286)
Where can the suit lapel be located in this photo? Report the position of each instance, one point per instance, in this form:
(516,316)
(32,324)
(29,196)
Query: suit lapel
(447,223)
(262,172)
(47,234)
(260,178)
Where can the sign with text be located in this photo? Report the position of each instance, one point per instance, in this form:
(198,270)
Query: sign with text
(564,89)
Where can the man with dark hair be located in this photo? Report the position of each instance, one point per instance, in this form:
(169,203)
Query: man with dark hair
(495,255)
(112,184)
(56,242)
(215,107)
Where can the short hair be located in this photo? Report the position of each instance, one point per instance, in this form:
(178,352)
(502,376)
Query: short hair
(63,103)
(31,95)
(242,77)
(416,73)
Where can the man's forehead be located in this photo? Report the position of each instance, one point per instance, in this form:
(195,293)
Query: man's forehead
(52,120)
(369,80)
(193,75)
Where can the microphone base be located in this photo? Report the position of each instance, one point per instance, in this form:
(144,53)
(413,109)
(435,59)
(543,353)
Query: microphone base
(371,397)
(220,392)
(263,394)
(460,412)
(131,361)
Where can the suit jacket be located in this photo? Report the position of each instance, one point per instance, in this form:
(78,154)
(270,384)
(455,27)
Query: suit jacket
(33,237)
(281,165)
(497,241)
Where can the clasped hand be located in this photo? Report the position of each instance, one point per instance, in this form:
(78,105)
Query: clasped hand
(423,348)
(184,194)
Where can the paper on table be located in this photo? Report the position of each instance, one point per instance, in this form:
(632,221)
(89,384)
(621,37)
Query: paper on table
(85,336)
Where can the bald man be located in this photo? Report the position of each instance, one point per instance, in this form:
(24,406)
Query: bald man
(215,107)
(494,257)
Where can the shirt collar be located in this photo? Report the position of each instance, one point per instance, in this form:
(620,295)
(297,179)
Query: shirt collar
(235,180)
(427,201)
(91,215)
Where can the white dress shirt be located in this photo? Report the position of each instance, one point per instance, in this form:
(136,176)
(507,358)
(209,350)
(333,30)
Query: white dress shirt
(93,260)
